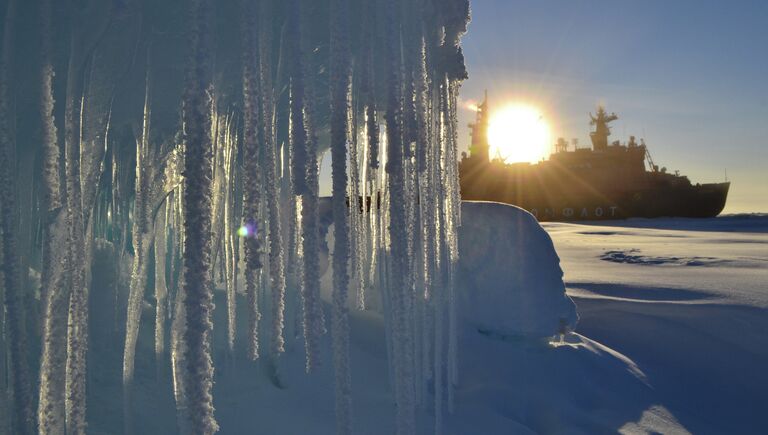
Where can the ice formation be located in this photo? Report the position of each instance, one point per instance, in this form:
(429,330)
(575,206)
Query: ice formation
(166,170)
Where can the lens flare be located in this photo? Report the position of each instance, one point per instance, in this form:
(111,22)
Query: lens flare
(248,230)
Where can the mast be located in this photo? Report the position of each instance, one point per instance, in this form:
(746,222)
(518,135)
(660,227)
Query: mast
(602,131)
(479,147)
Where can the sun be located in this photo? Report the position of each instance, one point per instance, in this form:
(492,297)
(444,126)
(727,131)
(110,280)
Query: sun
(519,133)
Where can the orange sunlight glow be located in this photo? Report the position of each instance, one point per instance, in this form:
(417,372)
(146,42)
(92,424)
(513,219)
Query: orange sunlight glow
(519,133)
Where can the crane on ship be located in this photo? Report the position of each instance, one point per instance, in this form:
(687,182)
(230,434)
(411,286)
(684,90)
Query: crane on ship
(654,167)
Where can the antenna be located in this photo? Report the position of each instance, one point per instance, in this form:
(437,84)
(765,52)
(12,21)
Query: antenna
(726,175)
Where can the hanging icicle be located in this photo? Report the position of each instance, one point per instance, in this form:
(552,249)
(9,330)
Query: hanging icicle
(143,237)
(229,241)
(298,133)
(399,297)
(276,255)
(161,286)
(77,329)
(357,211)
(50,415)
(251,171)
(312,314)
(340,76)
(198,297)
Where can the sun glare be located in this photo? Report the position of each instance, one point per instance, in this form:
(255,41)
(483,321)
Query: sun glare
(519,133)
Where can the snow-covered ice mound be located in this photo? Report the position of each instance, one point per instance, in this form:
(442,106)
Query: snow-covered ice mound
(509,275)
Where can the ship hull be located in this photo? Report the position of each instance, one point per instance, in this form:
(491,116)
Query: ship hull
(576,199)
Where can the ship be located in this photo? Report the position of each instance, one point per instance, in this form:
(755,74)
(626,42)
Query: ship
(607,181)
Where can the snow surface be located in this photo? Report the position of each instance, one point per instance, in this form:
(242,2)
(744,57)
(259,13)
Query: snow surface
(686,300)
(659,347)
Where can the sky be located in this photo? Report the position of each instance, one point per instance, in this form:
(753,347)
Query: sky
(691,77)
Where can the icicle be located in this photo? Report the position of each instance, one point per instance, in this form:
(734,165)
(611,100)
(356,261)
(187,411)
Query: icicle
(288,204)
(142,236)
(276,255)
(217,190)
(411,200)
(422,112)
(51,166)
(398,234)
(340,75)
(178,360)
(454,219)
(312,314)
(368,83)
(298,270)
(439,267)
(230,257)
(438,369)
(79,255)
(161,288)
(51,417)
(356,211)
(427,205)
(365,229)
(53,359)
(198,301)
(176,311)
(415,115)
(251,170)
(298,133)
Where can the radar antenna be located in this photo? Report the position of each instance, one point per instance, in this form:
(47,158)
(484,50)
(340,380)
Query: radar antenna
(602,131)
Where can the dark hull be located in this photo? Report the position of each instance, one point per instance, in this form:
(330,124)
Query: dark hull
(574,198)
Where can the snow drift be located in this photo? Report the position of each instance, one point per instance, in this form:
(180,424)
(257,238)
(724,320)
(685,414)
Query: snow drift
(509,279)
(509,276)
